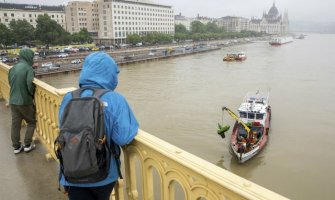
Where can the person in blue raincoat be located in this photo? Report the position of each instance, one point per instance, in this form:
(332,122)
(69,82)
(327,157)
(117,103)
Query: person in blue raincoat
(100,71)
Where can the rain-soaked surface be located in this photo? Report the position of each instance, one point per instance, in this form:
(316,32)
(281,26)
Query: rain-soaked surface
(179,100)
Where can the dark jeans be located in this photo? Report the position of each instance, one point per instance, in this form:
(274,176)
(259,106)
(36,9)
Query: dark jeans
(20,112)
(90,193)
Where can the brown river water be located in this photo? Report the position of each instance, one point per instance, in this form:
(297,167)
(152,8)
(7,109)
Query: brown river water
(179,100)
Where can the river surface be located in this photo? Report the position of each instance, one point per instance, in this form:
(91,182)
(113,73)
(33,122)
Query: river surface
(179,100)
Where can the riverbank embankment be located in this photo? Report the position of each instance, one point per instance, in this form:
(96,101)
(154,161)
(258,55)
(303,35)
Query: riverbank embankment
(136,55)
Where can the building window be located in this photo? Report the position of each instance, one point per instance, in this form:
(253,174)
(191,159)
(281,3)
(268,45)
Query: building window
(12,14)
(5,14)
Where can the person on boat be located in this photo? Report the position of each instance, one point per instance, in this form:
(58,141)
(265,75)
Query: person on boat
(241,148)
(254,137)
(241,137)
(241,134)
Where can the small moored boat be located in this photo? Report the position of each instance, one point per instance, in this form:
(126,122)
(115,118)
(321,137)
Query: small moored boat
(280,40)
(240,56)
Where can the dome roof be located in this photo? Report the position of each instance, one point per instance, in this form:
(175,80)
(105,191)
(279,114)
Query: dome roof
(273,11)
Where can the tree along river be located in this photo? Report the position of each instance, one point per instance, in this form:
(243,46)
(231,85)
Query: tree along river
(179,100)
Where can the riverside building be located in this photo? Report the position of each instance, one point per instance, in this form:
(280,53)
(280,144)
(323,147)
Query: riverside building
(108,21)
(29,12)
(272,22)
(82,14)
(186,21)
(233,24)
(120,18)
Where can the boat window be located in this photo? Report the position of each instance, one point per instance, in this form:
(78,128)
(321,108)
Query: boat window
(259,116)
(243,114)
(251,115)
(260,101)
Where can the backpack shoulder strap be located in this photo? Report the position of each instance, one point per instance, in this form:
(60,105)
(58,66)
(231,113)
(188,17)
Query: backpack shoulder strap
(77,93)
(99,92)
(96,92)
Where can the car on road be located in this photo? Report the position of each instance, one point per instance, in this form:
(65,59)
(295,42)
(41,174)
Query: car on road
(95,49)
(9,60)
(76,61)
(4,60)
(63,55)
(47,64)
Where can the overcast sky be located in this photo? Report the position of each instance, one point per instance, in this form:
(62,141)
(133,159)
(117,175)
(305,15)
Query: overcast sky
(298,10)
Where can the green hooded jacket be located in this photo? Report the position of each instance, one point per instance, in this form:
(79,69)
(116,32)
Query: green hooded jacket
(20,78)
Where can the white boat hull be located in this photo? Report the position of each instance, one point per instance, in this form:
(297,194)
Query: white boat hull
(242,157)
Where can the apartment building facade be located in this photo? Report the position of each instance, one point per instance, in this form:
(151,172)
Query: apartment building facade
(187,21)
(10,11)
(82,14)
(108,21)
(119,18)
(233,24)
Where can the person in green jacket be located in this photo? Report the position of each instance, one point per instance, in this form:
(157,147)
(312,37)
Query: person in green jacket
(21,100)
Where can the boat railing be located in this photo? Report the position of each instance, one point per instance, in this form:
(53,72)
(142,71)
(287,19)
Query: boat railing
(257,98)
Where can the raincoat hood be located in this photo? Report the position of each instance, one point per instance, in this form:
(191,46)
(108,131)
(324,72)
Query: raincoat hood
(27,55)
(99,71)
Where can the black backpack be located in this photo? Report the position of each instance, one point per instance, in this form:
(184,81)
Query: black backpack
(81,146)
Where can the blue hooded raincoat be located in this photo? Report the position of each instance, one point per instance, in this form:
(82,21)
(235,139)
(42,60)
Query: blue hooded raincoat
(101,71)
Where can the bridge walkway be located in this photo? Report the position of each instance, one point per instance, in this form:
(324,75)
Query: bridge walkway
(25,176)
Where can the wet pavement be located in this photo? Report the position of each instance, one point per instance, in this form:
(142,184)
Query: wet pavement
(25,176)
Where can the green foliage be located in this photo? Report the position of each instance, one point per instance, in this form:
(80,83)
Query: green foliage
(83,36)
(6,36)
(198,27)
(181,36)
(157,38)
(23,31)
(49,32)
(134,38)
(209,31)
(211,27)
(180,28)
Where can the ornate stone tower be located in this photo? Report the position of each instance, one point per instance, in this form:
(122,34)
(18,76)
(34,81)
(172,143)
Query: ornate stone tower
(272,22)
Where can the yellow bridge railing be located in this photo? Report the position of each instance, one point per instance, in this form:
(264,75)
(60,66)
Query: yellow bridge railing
(153,169)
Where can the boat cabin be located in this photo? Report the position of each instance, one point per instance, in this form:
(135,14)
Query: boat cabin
(252,115)
(235,56)
(253,110)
